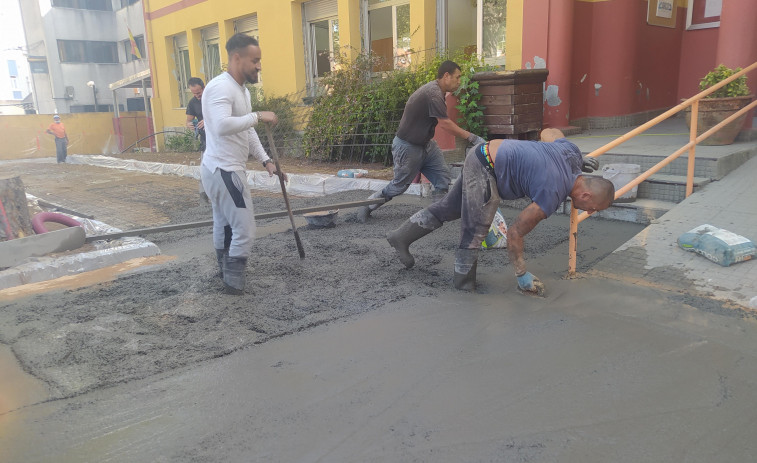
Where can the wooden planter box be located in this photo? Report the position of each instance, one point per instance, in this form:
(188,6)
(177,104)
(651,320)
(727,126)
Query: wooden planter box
(513,101)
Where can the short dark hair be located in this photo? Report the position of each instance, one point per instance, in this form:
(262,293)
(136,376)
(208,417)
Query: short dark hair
(195,81)
(239,42)
(602,189)
(447,67)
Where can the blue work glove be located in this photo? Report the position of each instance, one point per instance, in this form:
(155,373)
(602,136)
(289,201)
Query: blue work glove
(589,165)
(530,284)
(474,139)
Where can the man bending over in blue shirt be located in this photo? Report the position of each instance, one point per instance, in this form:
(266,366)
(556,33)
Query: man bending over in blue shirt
(547,171)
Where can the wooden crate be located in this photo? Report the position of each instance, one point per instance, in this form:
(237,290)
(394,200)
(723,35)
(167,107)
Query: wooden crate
(513,102)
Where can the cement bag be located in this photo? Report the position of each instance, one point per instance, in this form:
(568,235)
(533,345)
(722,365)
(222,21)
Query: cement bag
(497,236)
(718,245)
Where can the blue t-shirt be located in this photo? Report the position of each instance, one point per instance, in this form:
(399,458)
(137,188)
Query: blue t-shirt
(544,172)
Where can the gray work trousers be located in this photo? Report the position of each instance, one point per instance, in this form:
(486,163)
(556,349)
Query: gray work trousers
(411,159)
(61,147)
(230,198)
(474,198)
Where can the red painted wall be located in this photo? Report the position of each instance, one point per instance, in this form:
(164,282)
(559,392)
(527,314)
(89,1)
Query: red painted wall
(698,48)
(637,65)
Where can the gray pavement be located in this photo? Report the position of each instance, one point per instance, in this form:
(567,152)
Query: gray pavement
(653,256)
(625,374)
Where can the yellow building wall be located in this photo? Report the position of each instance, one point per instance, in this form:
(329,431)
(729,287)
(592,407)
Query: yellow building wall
(514,35)
(423,27)
(281,41)
(88,133)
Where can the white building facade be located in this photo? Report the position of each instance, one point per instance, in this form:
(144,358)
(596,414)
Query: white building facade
(77,48)
(15,83)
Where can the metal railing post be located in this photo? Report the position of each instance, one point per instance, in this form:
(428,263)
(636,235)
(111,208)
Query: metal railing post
(692,150)
(573,241)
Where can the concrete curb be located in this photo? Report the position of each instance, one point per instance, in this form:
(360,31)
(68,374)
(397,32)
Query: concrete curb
(49,268)
(36,269)
(302,185)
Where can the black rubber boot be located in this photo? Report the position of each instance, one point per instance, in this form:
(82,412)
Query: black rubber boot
(466,261)
(417,226)
(234,271)
(364,212)
(221,257)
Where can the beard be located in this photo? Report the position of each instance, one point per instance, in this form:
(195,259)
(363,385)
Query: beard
(252,78)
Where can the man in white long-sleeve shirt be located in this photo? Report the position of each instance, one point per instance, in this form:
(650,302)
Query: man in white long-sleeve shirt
(230,140)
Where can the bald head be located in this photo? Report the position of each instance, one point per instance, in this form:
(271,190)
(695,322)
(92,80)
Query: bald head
(592,193)
(550,135)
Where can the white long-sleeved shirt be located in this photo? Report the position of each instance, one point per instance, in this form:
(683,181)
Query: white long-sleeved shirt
(230,136)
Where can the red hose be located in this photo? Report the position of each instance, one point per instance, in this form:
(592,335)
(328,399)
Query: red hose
(38,221)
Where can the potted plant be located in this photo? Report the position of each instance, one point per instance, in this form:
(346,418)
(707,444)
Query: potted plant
(720,104)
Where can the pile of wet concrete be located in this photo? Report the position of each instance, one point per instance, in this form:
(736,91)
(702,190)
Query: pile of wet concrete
(176,314)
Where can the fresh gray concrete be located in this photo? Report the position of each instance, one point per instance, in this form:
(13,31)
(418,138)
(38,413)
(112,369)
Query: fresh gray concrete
(597,372)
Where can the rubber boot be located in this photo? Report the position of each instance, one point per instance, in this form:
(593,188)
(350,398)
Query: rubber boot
(417,226)
(466,261)
(221,257)
(364,212)
(234,271)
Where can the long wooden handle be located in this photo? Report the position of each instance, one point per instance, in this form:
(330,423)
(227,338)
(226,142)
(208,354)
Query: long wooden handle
(275,155)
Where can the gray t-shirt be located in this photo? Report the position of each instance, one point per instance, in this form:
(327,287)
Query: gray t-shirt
(422,109)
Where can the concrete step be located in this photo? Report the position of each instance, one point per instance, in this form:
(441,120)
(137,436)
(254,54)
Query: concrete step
(642,211)
(710,167)
(665,187)
(668,187)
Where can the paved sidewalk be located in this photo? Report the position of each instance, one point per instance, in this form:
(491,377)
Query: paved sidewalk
(653,255)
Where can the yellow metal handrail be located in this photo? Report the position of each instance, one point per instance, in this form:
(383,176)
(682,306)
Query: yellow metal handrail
(576,218)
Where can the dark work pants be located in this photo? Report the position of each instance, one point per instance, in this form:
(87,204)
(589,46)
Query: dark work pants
(474,198)
(60,149)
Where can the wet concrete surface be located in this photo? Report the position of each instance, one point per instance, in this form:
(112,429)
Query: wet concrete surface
(174,315)
(587,375)
(347,356)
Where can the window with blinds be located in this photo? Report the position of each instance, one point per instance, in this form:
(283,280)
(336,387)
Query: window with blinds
(211,52)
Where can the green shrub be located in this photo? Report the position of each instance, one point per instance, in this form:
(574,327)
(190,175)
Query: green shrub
(283,106)
(359,110)
(735,88)
(183,142)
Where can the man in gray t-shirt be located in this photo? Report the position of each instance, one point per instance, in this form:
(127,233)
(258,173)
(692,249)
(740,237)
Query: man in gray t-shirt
(413,147)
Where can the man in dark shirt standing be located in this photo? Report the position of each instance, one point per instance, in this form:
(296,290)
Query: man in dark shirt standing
(194,109)
(413,147)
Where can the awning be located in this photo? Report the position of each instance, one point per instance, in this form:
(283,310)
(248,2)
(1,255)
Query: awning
(133,81)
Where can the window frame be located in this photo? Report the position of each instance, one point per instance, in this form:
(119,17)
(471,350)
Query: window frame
(368,8)
(183,71)
(210,69)
(443,25)
(312,80)
(87,51)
